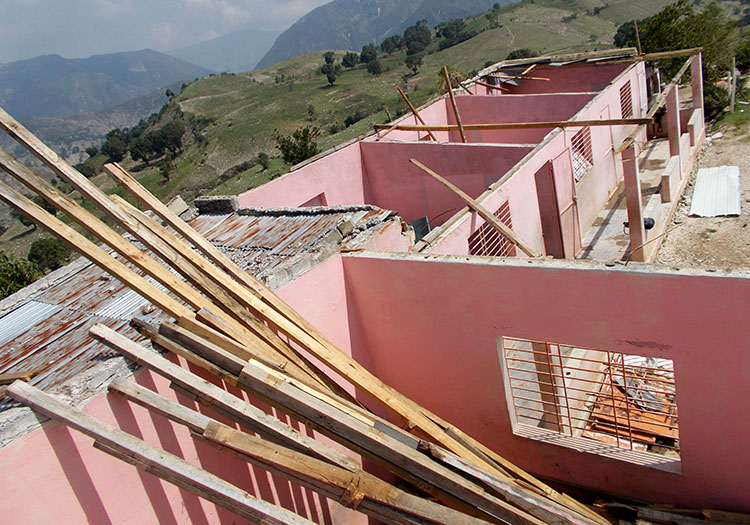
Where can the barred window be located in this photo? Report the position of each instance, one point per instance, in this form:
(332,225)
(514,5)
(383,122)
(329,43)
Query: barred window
(626,101)
(488,241)
(583,157)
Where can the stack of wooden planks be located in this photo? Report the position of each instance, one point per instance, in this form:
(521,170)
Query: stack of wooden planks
(229,324)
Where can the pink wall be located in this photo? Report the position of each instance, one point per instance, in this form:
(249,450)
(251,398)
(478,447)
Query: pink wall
(399,185)
(80,484)
(592,190)
(339,176)
(435,113)
(515,108)
(569,79)
(446,357)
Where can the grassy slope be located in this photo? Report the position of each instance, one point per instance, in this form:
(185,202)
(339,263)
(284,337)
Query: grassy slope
(246,108)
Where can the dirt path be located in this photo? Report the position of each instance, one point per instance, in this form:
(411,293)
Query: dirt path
(718,242)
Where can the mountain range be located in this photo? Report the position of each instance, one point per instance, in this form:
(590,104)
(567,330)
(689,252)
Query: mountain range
(53,86)
(235,52)
(350,24)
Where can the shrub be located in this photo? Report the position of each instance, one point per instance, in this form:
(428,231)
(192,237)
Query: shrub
(48,253)
(15,274)
(298,146)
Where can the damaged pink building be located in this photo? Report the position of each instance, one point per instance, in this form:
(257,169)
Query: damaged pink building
(585,365)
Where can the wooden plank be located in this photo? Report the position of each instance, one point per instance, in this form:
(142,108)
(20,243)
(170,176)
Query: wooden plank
(453,103)
(100,230)
(493,221)
(156,461)
(526,125)
(603,54)
(199,424)
(220,400)
(314,473)
(511,492)
(491,86)
(378,443)
(272,308)
(92,252)
(415,112)
(225,293)
(10,377)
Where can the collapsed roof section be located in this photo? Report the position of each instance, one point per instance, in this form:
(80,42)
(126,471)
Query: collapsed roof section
(44,328)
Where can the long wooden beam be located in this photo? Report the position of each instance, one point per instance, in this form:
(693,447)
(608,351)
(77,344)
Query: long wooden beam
(526,125)
(377,497)
(155,461)
(92,252)
(493,221)
(453,104)
(415,112)
(658,103)
(100,230)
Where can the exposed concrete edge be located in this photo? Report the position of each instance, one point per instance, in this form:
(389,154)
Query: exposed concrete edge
(555,264)
(311,210)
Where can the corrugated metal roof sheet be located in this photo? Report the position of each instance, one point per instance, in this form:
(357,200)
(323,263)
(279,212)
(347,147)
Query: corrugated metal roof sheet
(49,331)
(24,317)
(717,192)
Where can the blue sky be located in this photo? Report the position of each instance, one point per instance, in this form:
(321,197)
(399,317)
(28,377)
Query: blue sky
(81,28)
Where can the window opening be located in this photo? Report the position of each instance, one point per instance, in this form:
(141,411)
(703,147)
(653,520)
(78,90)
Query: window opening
(607,397)
(626,101)
(487,241)
(583,157)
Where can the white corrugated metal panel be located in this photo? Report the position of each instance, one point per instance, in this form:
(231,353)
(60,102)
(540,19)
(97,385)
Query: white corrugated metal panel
(717,192)
(127,302)
(24,317)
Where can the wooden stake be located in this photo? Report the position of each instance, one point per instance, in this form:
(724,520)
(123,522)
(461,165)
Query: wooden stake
(415,112)
(493,221)
(637,36)
(453,103)
(658,103)
(491,86)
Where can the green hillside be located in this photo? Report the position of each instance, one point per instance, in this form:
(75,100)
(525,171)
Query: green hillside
(231,118)
(245,109)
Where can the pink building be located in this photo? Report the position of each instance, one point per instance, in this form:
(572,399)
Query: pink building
(625,380)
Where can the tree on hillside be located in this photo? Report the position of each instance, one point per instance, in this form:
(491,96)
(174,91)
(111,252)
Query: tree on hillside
(391,44)
(15,274)
(375,67)
(331,72)
(417,37)
(368,54)
(114,148)
(299,146)
(92,151)
(329,57)
(414,61)
(350,60)
(680,26)
(171,135)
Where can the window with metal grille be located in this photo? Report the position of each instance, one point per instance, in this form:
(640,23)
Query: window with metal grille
(622,400)
(626,101)
(582,155)
(488,241)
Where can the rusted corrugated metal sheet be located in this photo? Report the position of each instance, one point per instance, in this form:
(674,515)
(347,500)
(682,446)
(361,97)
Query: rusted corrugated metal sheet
(49,331)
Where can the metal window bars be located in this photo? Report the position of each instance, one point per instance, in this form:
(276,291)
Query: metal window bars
(620,399)
(487,241)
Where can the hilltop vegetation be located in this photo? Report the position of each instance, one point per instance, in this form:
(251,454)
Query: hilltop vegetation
(228,121)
